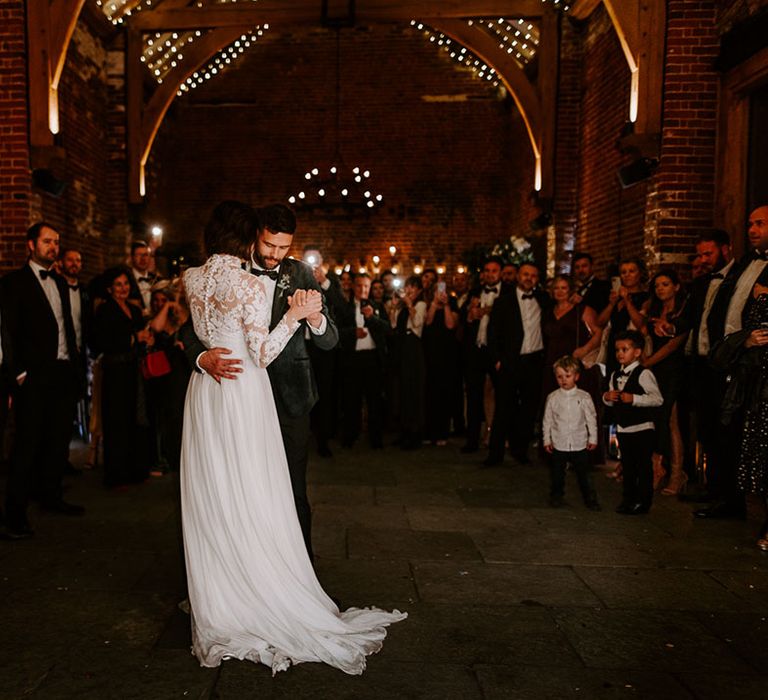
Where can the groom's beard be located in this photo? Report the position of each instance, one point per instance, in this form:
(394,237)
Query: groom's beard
(266,263)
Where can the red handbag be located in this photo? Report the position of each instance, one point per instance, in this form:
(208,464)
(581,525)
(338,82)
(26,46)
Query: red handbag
(155,364)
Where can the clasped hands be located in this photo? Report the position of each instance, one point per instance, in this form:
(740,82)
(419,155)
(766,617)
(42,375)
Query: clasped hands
(616,396)
(303,303)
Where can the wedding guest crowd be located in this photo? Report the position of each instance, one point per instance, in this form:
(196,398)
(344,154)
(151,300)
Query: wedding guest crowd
(501,362)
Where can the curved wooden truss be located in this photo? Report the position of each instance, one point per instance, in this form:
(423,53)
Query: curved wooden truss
(639,24)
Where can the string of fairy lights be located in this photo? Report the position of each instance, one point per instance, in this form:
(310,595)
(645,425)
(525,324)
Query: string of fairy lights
(222,60)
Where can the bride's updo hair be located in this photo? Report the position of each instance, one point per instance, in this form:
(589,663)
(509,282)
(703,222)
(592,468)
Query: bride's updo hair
(231,229)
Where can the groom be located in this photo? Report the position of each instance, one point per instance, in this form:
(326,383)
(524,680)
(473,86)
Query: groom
(290,373)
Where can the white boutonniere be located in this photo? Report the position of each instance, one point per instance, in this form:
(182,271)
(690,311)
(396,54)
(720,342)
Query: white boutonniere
(284,283)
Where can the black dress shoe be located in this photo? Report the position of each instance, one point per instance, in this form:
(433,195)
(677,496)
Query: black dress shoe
(721,511)
(469,448)
(63,508)
(521,458)
(324,451)
(593,505)
(632,509)
(21,532)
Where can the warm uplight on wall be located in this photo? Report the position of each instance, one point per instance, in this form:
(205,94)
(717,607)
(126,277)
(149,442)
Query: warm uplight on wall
(417,269)
(537,180)
(440,270)
(157,232)
(634,94)
(53,110)
(392,250)
(142,180)
(461,269)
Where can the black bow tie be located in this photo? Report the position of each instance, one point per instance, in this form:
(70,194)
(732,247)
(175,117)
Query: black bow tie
(527,296)
(45,274)
(144,279)
(74,287)
(717,276)
(490,290)
(272,274)
(622,373)
(759,255)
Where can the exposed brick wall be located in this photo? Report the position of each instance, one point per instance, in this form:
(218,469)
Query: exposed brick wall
(91,214)
(453,173)
(611,220)
(15,178)
(568,143)
(684,184)
(93,202)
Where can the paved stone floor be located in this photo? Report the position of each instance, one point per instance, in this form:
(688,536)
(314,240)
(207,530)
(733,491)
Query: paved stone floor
(507,598)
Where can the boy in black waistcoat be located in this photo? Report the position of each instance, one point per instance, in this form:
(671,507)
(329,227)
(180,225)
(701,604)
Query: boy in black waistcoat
(634,394)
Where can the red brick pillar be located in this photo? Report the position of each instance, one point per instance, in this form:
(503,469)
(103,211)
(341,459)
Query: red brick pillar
(15,176)
(682,192)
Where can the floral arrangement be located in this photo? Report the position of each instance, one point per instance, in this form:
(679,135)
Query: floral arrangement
(515,249)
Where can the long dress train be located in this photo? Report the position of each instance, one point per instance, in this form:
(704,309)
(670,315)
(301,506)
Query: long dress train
(252,589)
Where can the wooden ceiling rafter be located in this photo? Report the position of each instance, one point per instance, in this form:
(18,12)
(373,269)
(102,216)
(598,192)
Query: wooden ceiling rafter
(144,120)
(168,17)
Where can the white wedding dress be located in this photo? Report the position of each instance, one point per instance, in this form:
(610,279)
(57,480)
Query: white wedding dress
(253,592)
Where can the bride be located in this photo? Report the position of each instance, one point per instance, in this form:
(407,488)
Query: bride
(252,589)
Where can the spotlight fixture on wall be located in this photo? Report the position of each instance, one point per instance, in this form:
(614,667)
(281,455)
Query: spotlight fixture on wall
(44,179)
(637,171)
(335,190)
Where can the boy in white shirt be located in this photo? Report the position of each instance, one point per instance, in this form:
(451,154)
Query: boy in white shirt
(570,431)
(634,394)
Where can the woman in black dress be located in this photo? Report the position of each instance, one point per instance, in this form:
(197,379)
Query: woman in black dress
(168,392)
(117,334)
(406,315)
(624,304)
(441,363)
(667,327)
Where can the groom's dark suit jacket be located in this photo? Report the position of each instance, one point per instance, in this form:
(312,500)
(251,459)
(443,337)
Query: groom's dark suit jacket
(290,373)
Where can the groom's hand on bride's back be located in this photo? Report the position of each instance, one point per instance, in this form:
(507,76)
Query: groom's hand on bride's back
(219,367)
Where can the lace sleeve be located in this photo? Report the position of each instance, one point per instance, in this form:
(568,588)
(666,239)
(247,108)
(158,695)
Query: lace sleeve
(263,345)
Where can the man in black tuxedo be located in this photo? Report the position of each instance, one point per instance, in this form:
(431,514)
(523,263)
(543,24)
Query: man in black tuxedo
(71,267)
(707,386)
(363,330)
(727,315)
(516,349)
(141,278)
(475,317)
(290,373)
(589,289)
(42,359)
(324,362)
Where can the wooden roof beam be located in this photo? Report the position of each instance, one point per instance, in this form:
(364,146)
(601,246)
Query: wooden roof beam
(166,16)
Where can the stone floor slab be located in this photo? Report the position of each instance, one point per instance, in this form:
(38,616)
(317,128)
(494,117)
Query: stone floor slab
(469,519)
(366,515)
(501,584)
(384,679)
(561,548)
(477,634)
(370,543)
(744,633)
(361,583)
(646,639)
(630,588)
(532,683)
(407,496)
(726,687)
